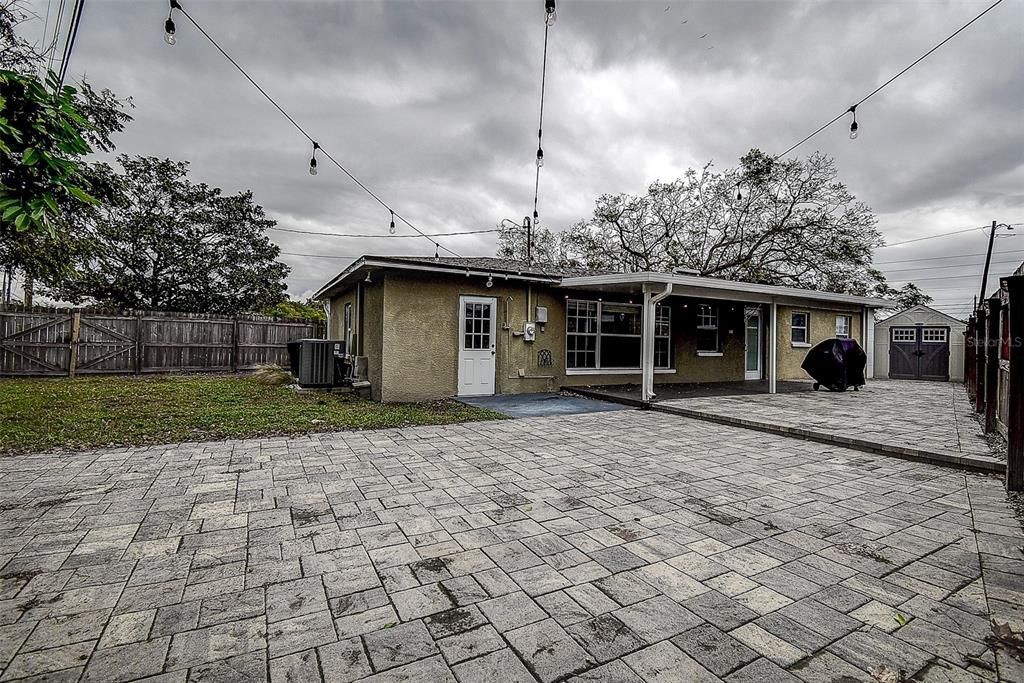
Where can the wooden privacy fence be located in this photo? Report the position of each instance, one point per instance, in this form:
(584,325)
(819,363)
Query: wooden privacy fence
(994,369)
(69,342)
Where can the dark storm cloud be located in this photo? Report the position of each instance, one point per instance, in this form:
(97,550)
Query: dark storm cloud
(434,105)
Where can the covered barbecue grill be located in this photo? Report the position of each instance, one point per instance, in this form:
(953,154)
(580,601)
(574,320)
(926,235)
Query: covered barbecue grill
(836,364)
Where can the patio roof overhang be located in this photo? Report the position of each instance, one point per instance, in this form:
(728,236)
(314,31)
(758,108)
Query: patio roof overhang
(712,288)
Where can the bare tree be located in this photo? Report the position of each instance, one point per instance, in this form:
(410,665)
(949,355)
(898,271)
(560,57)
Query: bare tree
(784,222)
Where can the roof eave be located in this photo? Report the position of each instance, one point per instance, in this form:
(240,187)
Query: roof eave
(367,262)
(737,286)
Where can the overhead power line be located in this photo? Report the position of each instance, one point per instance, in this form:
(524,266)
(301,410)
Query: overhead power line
(853,108)
(955,265)
(292,253)
(943,234)
(169,27)
(946,258)
(379,236)
(69,44)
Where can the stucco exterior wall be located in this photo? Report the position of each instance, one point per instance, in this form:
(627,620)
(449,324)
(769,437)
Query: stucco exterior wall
(926,317)
(822,327)
(411,336)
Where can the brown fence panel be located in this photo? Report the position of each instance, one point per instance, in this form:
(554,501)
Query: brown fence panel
(35,343)
(68,342)
(265,342)
(190,343)
(106,344)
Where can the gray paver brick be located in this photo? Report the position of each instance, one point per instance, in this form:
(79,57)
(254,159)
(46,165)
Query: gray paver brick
(716,651)
(548,650)
(502,665)
(399,645)
(666,663)
(511,611)
(344,661)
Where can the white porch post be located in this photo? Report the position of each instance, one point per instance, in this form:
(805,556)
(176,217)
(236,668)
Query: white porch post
(651,300)
(773,341)
(868,335)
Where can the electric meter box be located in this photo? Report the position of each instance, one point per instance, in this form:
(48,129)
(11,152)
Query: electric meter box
(529,331)
(542,315)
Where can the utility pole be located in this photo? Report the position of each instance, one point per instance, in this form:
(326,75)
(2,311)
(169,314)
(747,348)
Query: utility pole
(988,260)
(529,240)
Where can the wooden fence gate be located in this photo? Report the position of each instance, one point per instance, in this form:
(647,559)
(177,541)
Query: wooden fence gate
(59,342)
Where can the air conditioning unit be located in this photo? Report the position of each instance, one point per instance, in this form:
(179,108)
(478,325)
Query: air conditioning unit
(316,362)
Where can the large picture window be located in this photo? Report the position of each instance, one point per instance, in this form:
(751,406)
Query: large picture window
(707,329)
(608,336)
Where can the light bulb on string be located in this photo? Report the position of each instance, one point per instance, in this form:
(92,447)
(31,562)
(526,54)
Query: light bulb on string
(536,218)
(540,157)
(169,24)
(490,281)
(391,228)
(739,194)
(312,159)
(550,15)
(854,126)
(437,256)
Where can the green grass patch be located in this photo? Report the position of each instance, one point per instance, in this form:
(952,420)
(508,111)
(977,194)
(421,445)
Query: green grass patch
(89,412)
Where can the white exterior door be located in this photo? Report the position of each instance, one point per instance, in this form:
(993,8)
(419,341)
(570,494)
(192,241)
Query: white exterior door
(476,345)
(752,339)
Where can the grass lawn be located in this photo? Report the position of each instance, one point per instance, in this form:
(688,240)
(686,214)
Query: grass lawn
(41,414)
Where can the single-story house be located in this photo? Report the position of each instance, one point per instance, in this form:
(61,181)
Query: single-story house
(435,327)
(920,343)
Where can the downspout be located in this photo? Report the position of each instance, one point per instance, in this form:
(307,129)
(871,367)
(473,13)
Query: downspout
(651,301)
(773,349)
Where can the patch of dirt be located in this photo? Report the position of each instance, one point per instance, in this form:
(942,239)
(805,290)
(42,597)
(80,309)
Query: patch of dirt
(861,550)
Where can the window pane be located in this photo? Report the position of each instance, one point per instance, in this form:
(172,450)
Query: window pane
(662,353)
(620,319)
(620,352)
(799,320)
(707,340)
(662,321)
(581,351)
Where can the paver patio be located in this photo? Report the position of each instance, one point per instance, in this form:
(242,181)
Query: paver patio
(920,416)
(618,546)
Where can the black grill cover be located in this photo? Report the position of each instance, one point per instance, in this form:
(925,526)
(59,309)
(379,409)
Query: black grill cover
(836,364)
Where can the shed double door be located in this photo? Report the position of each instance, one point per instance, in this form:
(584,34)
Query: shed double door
(919,353)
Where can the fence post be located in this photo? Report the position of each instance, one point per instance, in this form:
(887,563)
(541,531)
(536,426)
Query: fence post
(980,343)
(234,343)
(76,328)
(140,347)
(969,350)
(1015,418)
(992,366)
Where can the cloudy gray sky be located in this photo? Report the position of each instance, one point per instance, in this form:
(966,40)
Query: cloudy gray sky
(434,104)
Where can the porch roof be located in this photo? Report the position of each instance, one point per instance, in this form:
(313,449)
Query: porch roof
(713,288)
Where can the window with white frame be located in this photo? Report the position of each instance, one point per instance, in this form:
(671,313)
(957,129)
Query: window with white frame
(799,325)
(843,325)
(707,329)
(933,334)
(904,335)
(581,334)
(608,335)
(663,337)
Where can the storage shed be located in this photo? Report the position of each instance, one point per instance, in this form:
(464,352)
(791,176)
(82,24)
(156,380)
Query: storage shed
(920,343)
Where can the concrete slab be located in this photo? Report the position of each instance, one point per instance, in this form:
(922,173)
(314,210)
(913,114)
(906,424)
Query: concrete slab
(541,405)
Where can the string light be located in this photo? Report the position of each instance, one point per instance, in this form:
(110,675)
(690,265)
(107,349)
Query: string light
(302,130)
(391,228)
(853,126)
(540,157)
(169,24)
(437,256)
(739,193)
(551,16)
(490,281)
(312,159)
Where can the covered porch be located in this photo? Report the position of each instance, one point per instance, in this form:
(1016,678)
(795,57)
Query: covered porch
(764,329)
